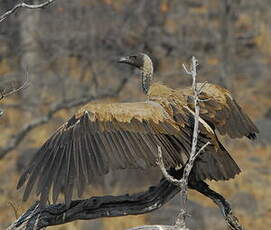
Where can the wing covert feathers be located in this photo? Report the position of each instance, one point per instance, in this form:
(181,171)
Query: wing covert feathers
(222,112)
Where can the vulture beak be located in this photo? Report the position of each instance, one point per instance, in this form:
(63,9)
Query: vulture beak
(125,60)
(131,60)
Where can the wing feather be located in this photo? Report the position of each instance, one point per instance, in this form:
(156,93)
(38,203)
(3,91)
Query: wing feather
(135,150)
(221,111)
(83,158)
(33,172)
(128,149)
(46,180)
(58,180)
(69,185)
(82,182)
(88,155)
(97,156)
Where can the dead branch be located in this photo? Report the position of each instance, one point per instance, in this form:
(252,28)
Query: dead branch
(11,87)
(14,87)
(154,227)
(165,173)
(112,206)
(66,104)
(183,182)
(225,209)
(97,207)
(24,5)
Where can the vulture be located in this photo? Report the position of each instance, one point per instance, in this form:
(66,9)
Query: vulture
(103,137)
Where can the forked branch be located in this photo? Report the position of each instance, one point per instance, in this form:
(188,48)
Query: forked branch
(183,182)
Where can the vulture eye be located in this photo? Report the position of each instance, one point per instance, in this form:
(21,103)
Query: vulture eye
(133,58)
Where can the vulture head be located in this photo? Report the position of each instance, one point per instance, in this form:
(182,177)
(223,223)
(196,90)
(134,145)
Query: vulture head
(143,62)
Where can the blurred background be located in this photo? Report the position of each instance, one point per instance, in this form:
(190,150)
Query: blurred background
(69,51)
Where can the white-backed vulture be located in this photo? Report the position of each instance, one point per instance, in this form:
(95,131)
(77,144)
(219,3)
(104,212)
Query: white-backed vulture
(103,137)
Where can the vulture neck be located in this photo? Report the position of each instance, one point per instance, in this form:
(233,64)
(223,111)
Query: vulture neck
(146,76)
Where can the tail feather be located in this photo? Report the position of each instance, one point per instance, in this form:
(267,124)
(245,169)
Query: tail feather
(215,165)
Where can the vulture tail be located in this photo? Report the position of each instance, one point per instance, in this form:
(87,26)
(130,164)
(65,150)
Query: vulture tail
(215,165)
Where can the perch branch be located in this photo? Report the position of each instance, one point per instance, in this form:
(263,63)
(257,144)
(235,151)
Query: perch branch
(225,209)
(112,206)
(24,5)
(16,140)
(97,207)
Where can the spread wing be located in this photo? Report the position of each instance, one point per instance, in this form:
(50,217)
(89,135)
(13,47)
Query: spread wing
(99,138)
(222,112)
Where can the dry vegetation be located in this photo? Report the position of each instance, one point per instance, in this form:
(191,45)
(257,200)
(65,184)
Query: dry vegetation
(70,51)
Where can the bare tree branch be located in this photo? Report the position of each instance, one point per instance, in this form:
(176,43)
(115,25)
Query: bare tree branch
(24,5)
(13,88)
(112,206)
(183,182)
(154,227)
(225,209)
(97,207)
(66,104)
(161,164)
(194,153)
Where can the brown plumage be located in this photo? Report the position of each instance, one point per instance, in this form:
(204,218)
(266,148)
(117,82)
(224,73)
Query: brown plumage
(104,137)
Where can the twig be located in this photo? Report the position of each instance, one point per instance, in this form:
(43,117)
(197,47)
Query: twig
(14,209)
(24,5)
(161,164)
(16,140)
(25,84)
(9,90)
(204,100)
(154,227)
(202,87)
